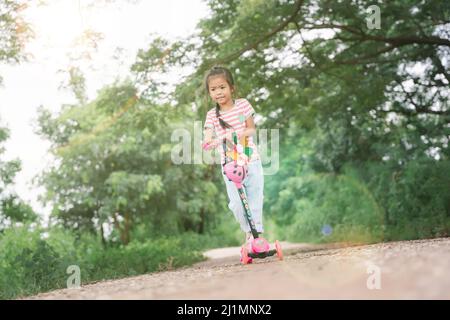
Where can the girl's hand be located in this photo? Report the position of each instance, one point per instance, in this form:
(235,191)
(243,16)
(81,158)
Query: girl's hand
(208,145)
(208,142)
(213,143)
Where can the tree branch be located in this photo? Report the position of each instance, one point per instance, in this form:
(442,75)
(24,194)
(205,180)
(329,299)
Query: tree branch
(364,59)
(416,112)
(264,38)
(310,56)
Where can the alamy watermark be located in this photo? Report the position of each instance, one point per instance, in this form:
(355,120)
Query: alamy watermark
(374,19)
(74,281)
(188,149)
(374,280)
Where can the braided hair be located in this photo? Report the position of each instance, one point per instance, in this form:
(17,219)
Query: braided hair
(219,71)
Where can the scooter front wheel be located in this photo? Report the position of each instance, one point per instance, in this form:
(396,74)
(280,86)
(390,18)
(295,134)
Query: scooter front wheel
(279,251)
(245,259)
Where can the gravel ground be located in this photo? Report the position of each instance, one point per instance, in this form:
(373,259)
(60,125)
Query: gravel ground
(395,270)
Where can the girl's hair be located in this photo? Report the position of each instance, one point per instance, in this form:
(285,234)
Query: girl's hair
(224,72)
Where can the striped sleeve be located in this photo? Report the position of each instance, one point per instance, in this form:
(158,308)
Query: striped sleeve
(248,110)
(209,121)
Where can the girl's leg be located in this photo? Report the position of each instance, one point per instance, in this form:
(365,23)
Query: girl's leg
(235,204)
(254,185)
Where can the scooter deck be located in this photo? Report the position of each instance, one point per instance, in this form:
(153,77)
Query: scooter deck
(262,255)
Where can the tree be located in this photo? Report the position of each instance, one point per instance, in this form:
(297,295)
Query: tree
(12,208)
(14,31)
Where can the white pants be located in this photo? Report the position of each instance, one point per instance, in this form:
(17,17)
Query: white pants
(254,189)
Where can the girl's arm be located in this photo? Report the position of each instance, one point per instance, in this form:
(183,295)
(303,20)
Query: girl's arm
(208,133)
(208,141)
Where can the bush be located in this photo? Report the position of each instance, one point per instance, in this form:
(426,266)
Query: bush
(369,202)
(328,208)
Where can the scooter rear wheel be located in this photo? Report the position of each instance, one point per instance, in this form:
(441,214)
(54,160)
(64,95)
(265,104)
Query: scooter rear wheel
(279,251)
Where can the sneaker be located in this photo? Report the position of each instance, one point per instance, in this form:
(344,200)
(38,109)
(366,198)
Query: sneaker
(244,256)
(248,245)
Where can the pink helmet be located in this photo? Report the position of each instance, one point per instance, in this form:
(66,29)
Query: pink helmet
(235,172)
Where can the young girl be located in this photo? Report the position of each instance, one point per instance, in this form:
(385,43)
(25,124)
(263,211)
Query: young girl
(228,116)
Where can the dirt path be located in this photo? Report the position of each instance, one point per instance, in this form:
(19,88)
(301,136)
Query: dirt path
(406,270)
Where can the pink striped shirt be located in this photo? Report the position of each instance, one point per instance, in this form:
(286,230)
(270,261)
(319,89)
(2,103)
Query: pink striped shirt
(236,118)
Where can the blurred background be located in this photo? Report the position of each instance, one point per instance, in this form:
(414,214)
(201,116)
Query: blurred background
(92,91)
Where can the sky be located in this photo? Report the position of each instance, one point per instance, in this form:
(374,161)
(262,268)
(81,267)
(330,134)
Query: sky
(58,27)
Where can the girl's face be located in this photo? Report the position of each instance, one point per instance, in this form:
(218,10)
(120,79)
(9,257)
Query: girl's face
(220,90)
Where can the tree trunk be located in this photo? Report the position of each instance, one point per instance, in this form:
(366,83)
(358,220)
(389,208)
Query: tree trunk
(127,227)
(124,232)
(201,228)
(102,234)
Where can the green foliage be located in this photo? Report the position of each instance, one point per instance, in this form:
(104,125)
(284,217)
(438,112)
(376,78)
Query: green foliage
(39,268)
(12,243)
(308,204)
(15,210)
(414,197)
(367,203)
(8,169)
(14,31)
(12,208)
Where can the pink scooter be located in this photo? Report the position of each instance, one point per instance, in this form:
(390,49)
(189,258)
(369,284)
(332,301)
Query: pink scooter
(236,173)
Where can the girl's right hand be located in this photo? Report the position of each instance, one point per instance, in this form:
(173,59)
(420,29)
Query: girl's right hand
(206,146)
(207,143)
